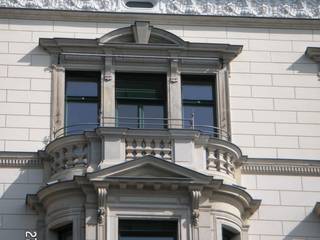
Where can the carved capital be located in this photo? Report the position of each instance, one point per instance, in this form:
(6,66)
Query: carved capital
(108,77)
(174,65)
(57,68)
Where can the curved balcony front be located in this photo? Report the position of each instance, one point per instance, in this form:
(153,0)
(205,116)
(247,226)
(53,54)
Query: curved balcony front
(103,147)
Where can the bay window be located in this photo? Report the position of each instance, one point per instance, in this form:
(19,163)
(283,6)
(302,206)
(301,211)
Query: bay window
(151,79)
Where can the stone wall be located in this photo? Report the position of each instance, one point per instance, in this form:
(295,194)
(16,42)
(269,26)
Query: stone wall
(275,113)
(286,211)
(275,105)
(15,216)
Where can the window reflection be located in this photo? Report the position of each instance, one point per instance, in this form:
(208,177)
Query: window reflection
(82,101)
(198,95)
(141,100)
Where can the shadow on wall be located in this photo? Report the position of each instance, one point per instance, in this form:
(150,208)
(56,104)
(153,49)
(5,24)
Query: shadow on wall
(304,65)
(36,56)
(307,229)
(15,216)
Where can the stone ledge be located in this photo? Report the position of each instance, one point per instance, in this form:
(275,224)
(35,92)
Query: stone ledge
(281,167)
(20,160)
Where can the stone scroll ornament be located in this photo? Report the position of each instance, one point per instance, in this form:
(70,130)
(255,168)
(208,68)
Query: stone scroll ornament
(245,8)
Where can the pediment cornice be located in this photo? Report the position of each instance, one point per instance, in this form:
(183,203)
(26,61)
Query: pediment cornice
(149,169)
(141,40)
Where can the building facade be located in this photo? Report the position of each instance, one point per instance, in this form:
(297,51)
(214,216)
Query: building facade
(161,120)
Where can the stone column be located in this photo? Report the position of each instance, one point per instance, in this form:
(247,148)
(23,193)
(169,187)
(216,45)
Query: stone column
(174,95)
(108,103)
(57,100)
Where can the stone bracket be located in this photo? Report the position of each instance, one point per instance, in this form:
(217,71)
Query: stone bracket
(195,202)
(102,198)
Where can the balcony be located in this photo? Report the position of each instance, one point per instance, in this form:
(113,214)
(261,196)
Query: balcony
(79,149)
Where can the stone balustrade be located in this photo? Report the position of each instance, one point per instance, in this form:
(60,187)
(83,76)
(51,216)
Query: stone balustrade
(139,147)
(77,154)
(222,160)
(67,153)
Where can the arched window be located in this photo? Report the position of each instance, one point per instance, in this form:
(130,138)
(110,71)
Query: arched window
(229,233)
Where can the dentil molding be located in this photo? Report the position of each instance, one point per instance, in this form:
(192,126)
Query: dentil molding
(281,167)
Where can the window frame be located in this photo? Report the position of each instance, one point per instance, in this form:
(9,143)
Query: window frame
(82,99)
(201,103)
(200,58)
(141,102)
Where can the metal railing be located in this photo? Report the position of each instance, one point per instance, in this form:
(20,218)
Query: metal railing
(143,123)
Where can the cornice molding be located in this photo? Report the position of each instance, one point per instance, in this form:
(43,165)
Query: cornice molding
(313,53)
(281,167)
(20,160)
(253,8)
(156,19)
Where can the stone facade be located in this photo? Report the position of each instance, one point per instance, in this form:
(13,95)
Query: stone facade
(274,98)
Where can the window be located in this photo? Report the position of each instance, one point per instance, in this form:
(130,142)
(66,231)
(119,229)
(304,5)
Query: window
(139,4)
(82,98)
(198,93)
(140,100)
(148,230)
(135,49)
(229,234)
(65,232)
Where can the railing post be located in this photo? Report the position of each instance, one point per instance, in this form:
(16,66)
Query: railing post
(192,120)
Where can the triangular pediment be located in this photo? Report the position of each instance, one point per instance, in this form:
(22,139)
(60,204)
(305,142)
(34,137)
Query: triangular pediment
(148,171)
(149,168)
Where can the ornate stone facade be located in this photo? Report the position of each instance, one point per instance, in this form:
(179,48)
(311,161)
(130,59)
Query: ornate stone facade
(241,8)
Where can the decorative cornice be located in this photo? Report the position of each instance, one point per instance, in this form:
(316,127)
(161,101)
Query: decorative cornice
(313,53)
(156,19)
(251,8)
(20,160)
(281,167)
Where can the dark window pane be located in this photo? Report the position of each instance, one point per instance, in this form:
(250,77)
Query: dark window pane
(136,4)
(198,87)
(82,84)
(65,233)
(203,117)
(229,235)
(153,116)
(82,88)
(197,92)
(128,115)
(140,86)
(84,115)
(147,238)
(147,230)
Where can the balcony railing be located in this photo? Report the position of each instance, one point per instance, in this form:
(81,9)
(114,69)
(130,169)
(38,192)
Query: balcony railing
(144,123)
(86,147)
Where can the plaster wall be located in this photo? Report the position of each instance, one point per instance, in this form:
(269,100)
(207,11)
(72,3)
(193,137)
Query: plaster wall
(15,217)
(286,211)
(275,113)
(274,88)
